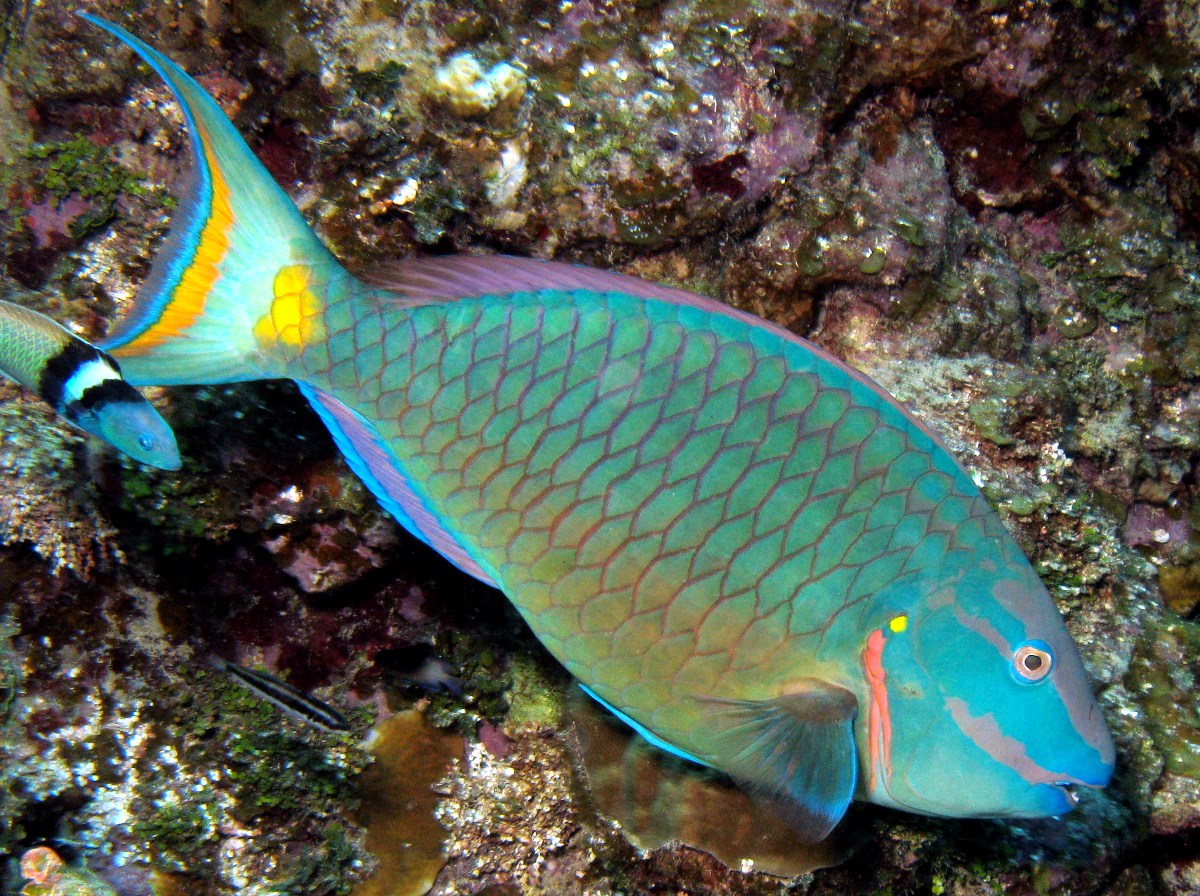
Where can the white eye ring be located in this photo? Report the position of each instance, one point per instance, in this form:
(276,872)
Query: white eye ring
(1033,661)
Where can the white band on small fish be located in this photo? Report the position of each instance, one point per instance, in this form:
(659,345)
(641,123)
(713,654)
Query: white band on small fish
(91,373)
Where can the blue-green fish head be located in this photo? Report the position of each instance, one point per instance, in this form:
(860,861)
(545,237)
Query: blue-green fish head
(978,702)
(132,425)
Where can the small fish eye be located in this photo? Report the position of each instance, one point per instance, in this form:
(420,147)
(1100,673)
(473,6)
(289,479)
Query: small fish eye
(146,441)
(1033,661)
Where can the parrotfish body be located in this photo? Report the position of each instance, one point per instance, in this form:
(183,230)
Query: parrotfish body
(84,385)
(744,548)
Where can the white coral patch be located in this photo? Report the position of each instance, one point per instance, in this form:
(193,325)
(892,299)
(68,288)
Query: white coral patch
(506,176)
(463,85)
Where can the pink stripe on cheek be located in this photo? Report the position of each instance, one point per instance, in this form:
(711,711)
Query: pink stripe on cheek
(984,731)
(879,718)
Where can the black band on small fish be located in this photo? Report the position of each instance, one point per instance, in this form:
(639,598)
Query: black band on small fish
(109,392)
(99,396)
(59,369)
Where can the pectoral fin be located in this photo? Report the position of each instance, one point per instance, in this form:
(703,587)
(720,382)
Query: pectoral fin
(796,750)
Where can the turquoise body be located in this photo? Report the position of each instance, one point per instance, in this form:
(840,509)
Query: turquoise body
(748,550)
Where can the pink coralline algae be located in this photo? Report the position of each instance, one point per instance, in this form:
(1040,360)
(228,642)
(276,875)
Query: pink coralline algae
(330,555)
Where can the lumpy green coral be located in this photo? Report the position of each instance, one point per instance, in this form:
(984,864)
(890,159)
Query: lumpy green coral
(535,699)
(466,87)
(1162,669)
(79,166)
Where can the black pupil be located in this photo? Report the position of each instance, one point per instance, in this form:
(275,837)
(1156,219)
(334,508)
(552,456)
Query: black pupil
(1033,662)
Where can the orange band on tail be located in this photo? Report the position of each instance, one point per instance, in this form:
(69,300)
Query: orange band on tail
(188,297)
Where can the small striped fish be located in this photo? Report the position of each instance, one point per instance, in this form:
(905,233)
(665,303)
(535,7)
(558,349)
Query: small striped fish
(290,699)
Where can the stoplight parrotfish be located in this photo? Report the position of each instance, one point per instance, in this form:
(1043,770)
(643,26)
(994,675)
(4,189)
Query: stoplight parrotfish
(747,550)
(84,385)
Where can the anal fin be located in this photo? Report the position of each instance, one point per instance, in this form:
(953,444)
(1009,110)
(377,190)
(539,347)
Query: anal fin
(372,462)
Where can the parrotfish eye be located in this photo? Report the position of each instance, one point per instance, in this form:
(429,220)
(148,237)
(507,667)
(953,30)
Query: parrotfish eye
(146,441)
(1033,661)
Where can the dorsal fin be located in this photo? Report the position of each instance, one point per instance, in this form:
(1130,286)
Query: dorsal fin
(421,280)
(449,277)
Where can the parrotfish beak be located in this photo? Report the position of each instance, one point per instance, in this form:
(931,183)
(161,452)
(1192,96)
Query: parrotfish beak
(1058,798)
(1092,767)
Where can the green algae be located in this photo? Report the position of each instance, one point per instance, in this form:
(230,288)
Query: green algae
(229,758)
(1180,586)
(1163,680)
(80,167)
(874,262)
(379,84)
(485,678)
(535,700)
(176,511)
(279,24)
(1075,321)
(1019,496)
(331,865)
(1130,266)
(990,416)
(270,766)
(1113,134)
(179,835)
(1106,407)
(911,231)
(274,771)
(1012,399)
(1050,112)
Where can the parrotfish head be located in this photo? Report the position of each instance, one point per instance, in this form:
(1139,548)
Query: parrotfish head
(978,703)
(131,424)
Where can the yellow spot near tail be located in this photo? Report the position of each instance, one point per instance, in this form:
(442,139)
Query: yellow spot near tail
(898,624)
(294,313)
